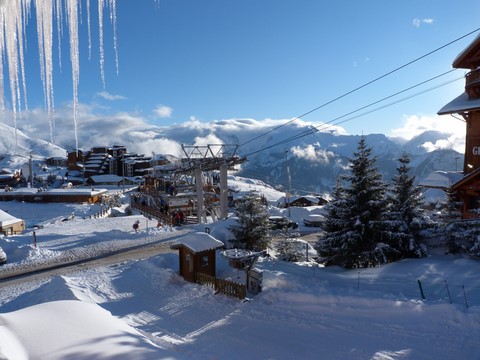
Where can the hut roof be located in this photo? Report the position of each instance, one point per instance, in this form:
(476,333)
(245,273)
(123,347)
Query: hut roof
(198,242)
(7,219)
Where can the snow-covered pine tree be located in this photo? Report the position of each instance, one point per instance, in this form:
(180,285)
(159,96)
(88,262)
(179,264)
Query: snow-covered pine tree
(452,228)
(336,226)
(362,209)
(405,220)
(253,229)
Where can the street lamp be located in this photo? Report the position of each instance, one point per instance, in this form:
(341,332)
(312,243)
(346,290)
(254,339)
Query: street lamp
(289,182)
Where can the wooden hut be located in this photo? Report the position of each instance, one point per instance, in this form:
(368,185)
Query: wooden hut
(197,255)
(10,225)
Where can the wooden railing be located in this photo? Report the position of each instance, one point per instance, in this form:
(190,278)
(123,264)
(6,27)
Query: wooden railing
(223,286)
(472,78)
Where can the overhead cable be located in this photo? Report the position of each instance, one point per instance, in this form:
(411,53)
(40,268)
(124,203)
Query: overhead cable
(364,85)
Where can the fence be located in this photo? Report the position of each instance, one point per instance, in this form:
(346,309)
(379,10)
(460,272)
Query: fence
(223,286)
(458,294)
(155,213)
(387,285)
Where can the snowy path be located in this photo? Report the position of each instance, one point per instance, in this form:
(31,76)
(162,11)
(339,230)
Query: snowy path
(79,240)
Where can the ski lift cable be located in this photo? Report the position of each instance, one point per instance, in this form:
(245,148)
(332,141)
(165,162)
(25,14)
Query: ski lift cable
(364,85)
(330,123)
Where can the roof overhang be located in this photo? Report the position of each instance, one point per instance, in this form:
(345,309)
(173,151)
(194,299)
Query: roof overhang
(460,105)
(470,57)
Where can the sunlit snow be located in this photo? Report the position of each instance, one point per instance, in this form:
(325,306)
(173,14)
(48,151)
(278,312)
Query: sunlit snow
(142,309)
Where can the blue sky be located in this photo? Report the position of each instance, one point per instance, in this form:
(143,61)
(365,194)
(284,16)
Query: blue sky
(267,59)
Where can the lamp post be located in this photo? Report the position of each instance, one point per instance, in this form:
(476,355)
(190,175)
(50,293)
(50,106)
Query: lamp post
(123,172)
(288,182)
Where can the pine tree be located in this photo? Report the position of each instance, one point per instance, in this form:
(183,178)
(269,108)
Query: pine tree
(337,223)
(253,229)
(452,228)
(353,223)
(402,231)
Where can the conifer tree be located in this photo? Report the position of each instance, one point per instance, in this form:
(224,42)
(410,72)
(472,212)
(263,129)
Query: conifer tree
(253,229)
(402,230)
(452,228)
(358,211)
(336,226)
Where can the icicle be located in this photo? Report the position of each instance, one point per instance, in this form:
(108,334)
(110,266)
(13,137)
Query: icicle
(2,49)
(13,23)
(72,14)
(113,17)
(100,38)
(59,18)
(45,47)
(89,31)
(13,16)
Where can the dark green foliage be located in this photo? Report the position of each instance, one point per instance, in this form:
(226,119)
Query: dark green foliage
(252,231)
(402,231)
(456,232)
(354,216)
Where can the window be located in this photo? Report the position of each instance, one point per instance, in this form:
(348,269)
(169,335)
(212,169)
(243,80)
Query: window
(204,260)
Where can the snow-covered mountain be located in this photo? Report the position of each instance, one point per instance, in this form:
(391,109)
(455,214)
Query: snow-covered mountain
(314,158)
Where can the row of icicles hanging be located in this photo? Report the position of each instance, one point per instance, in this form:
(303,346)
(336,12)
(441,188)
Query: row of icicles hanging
(51,17)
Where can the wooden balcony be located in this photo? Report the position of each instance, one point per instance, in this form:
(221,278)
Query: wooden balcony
(472,84)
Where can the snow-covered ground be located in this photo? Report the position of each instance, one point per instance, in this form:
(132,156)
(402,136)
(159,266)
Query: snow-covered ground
(142,309)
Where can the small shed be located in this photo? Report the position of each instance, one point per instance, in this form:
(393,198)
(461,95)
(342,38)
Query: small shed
(10,225)
(197,255)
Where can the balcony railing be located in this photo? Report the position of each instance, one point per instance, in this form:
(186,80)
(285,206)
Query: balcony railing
(472,79)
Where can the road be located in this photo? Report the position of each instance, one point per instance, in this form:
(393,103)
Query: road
(139,252)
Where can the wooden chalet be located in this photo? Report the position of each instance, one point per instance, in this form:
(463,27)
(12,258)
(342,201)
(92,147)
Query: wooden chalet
(10,225)
(197,255)
(467,105)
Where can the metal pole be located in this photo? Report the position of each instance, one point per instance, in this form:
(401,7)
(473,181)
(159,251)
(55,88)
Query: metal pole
(223,191)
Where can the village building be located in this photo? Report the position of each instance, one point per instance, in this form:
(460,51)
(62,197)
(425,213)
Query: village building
(467,105)
(113,160)
(10,225)
(54,195)
(197,254)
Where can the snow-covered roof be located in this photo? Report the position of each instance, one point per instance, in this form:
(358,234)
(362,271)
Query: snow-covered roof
(441,179)
(460,104)
(467,53)
(198,242)
(106,178)
(75,191)
(7,219)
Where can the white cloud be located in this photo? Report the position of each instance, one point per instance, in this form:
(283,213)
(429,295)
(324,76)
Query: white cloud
(359,62)
(163,111)
(93,129)
(312,153)
(414,125)
(417,22)
(107,96)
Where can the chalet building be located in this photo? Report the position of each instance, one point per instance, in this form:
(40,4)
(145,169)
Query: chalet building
(56,161)
(10,225)
(467,105)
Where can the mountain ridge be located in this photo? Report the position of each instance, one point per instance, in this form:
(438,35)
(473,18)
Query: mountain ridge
(314,158)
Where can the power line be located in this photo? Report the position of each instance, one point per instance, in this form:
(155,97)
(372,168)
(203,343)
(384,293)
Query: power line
(330,123)
(364,85)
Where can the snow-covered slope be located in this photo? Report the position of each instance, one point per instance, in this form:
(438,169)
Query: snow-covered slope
(143,309)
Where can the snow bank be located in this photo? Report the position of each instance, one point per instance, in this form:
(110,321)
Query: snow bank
(71,329)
